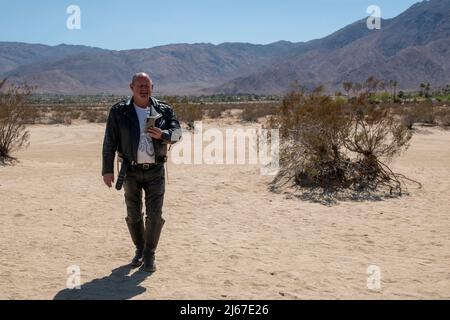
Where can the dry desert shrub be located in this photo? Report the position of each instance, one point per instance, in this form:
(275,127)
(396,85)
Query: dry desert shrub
(89,115)
(418,113)
(188,113)
(215,111)
(329,145)
(13,115)
(94,116)
(312,129)
(60,117)
(443,116)
(75,114)
(33,115)
(102,116)
(253,112)
(376,137)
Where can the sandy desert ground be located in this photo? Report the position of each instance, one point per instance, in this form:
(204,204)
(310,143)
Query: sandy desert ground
(226,235)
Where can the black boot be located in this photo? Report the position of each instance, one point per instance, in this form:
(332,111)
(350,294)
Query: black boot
(153,227)
(137,235)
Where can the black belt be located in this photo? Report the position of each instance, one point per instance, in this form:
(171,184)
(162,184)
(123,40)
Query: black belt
(145,166)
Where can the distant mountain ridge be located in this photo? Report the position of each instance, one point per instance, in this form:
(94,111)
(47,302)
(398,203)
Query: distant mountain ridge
(410,48)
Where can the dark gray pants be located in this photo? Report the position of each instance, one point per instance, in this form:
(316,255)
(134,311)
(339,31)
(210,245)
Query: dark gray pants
(152,182)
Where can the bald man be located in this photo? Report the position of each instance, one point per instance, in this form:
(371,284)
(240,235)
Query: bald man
(144,152)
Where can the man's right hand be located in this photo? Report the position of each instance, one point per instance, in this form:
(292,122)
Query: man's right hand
(108,179)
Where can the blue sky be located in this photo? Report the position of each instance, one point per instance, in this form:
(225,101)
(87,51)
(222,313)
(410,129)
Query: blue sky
(133,24)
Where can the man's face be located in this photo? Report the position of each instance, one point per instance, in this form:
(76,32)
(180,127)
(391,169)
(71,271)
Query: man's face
(142,88)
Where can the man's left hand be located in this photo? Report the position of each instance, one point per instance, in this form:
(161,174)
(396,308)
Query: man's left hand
(155,133)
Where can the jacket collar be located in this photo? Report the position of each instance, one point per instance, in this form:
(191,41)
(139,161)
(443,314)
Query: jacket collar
(130,112)
(153,102)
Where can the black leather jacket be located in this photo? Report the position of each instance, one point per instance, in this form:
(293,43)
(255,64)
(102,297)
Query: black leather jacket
(122,133)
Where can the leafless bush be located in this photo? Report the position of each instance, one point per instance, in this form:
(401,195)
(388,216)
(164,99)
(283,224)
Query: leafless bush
(422,113)
(188,113)
(33,115)
(102,116)
(312,129)
(329,145)
(89,115)
(443,116)
(60,117)
(13,114)
(75,114)
(94,116)
(215,111)
(376,137)
(252,112)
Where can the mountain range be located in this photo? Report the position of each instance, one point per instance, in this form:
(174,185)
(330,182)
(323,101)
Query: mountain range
(411,48)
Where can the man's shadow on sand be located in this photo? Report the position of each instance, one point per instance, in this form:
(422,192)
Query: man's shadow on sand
(119,285)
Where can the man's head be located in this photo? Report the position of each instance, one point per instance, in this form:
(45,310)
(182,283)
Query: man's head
(142,87)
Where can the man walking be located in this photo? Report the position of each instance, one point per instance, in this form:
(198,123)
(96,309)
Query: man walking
(143,151)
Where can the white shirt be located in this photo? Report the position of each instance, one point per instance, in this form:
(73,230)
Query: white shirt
(146,150)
